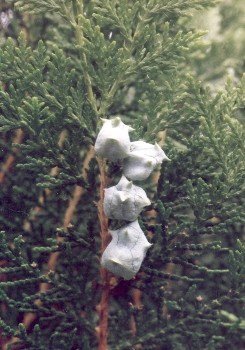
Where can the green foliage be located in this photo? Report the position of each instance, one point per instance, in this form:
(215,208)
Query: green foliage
(236,266)
(140,60)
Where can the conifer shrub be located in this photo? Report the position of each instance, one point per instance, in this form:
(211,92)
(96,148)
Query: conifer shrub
(64,65)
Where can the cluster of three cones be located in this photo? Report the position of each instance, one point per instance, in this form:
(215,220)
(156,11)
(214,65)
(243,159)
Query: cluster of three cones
(125,201)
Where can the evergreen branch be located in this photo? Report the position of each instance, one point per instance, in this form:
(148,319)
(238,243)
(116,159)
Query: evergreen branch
(54,172)
(30,317)
(78,14)
(177,260)
(7,329)
(138,57)
(170,276)
(6,167)
(52,262)
(19,283)
(91,97)
(70,211)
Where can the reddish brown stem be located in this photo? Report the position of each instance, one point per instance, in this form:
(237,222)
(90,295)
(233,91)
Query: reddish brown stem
(103,307)
(104,310)
(11,158)
(136,296)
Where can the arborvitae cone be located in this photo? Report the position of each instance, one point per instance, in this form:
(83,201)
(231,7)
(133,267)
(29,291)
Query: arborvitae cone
(142,160)
(113,140)
(125,253)
(124,201)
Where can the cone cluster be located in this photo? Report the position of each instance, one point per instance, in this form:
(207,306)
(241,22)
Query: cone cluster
(125,201)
